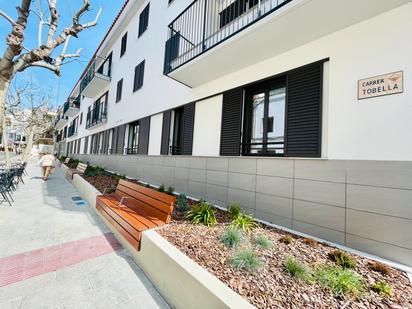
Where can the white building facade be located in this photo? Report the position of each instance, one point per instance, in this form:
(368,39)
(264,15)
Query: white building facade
(300,110)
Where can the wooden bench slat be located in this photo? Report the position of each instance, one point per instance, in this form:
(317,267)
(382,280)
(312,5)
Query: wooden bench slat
(129,214)
(152,214)
(153,203)
(143,209)
(166,198)
(133,241)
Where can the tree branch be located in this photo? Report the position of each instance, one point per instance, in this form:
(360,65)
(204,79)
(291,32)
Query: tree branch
(8,18)
(54,18)
(49,66)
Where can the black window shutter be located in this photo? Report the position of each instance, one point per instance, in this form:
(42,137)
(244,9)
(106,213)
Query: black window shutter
(230,135)
(123,45)
(119,90)
(120,139)
(144,131)
(171,51)
(188,125)
(164,149)
(138,76)
(86,144)
(304,111)
(114,140)
(144,19)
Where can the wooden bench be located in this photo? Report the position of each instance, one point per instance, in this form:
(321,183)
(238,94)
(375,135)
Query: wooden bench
(132,209)
(80,169)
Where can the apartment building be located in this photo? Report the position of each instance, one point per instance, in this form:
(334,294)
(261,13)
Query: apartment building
(300,110)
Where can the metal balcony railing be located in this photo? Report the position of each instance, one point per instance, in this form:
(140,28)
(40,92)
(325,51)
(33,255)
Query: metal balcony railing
(175,150)
(97,115)
(132,150)
(71,103)
(207,23)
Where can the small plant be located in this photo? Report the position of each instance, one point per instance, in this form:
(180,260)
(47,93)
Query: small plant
(286,239)
(244,222)
(245,259)
(170,190)
(161,188)
(310,242)
(296,269)
(202,213)
(181,203)
(380,268)
(382,288)
(234,210)
(340,281)
(263,242)
(231,237)
(342,259)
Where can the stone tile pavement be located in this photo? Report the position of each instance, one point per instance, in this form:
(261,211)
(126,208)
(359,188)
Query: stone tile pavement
(89,269)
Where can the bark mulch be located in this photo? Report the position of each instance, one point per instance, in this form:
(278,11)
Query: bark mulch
(270,286)
(101,182)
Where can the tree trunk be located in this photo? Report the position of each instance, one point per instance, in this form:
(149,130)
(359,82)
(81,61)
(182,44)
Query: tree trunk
(29,146)
(6,144)
(4,88)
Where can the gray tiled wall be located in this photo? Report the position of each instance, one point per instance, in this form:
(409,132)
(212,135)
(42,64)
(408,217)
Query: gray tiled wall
(366,205)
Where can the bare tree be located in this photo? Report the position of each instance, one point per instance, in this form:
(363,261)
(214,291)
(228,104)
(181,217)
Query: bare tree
(36,120)
(17,57)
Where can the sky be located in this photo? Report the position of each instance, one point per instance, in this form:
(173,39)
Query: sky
(60,87)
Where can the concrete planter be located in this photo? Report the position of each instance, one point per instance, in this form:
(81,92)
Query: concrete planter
(183,283)
(87,191)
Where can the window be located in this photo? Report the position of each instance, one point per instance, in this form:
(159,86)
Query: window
(124,45)
(177,131)
(144,20)
(119,90)
(138,76)
(106,67)
(265,108)
(133,138)
(234,10)
(81,118)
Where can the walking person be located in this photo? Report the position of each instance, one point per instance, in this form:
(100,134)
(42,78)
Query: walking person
(47,163)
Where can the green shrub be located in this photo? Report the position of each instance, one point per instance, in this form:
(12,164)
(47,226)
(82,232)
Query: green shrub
(380,268)
(382,288)
(296,269)
(170,190)
(310,242)
(202,213)
(181,203)
(263,242)
(245,259)
(340,281)
(342,259)
(92,171)
(161,188)
(231,237)
(234,209)
(286,239)
(244,222)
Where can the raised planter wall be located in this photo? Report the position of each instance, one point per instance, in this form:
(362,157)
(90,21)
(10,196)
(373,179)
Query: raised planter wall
(345,202)
(180,280)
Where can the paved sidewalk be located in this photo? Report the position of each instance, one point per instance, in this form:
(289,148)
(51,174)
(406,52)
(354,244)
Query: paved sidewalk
(57,254)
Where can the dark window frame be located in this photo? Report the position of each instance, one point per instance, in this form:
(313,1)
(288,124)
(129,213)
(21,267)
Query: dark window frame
(263,87)
(119,90)
(139,76)
(144,20)
(123,46)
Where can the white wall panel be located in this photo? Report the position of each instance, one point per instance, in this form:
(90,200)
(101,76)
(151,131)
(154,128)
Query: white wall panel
(206,135)
(155,136)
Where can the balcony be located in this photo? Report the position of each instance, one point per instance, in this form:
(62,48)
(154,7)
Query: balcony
(95,81)
(97,116)
(72,130)
(60,121)
(213,38)
(72,107)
